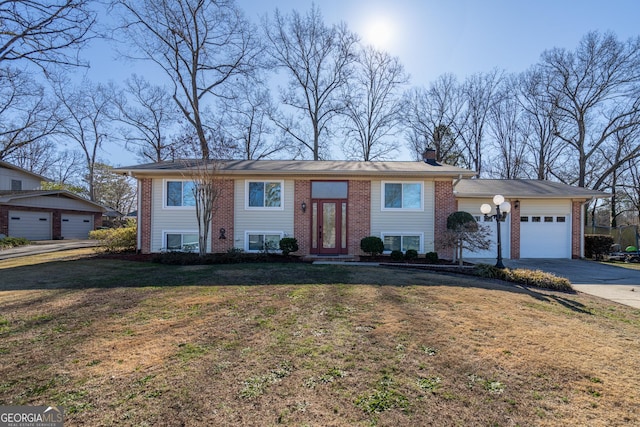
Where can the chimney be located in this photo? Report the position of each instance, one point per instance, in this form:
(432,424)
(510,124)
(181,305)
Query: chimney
(429,157)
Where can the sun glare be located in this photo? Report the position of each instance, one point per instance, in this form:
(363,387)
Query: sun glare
(379,32)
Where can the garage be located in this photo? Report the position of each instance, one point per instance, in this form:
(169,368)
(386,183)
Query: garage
(30,225)
(545,236)
(75,226)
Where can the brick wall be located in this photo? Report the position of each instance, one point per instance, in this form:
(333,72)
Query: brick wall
(144,215)
(4,220)
(445,204)
(302,220)
(223,217)
(515,230)
(576,223)
(358,214)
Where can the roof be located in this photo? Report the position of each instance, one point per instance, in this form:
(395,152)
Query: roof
(19,169)
(10,196)
(301,167)
(522,189)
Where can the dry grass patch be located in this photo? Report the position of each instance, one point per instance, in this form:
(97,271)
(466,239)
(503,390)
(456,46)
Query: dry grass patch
(141,344)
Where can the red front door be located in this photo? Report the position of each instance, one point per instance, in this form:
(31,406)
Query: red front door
(329,226)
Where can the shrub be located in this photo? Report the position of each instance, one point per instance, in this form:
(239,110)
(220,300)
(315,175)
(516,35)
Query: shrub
(534,278)
(397,255)
(372,245)
(411,254)
(116,239)
(12,242)
(288,245)
(432,257)
(596,245)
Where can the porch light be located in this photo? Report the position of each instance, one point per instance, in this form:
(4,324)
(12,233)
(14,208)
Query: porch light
(502,209)
(303,206)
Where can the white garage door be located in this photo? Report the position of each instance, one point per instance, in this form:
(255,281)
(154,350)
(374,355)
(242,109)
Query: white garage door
(76,226)
(30,225)
(545,236)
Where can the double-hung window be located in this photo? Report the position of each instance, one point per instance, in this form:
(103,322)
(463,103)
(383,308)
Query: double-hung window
(257,241)
(264,194)
(402,242)
(402,195)
(180,194)
(181,241)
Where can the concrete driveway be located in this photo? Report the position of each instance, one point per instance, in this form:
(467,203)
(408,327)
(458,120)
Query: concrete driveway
(614,283)
(44,246)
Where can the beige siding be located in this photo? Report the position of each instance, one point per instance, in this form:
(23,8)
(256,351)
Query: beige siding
(545,207)
(389,222)
(175,219)
(28,182)
(261,220)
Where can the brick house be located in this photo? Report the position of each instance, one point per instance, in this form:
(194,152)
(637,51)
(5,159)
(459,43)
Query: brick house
(328,206)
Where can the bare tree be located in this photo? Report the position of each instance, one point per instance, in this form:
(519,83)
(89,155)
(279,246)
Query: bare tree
(27,115)
(373,105)
(480,93)
(114,190)
(595,89)
(510,134)
(206,191)
(148,112)
(318,61)
(45,32)
(545,152)
(432,117)
(199,44)
(246,120)
(86,113)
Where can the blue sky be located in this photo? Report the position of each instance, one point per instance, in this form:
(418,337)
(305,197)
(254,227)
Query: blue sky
(432,37)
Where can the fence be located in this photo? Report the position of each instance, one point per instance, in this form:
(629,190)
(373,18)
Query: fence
(624,236)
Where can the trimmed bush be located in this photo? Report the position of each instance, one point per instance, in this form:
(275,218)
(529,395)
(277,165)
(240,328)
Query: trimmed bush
(12,242)
(397,255)
(372,245)
(533,278)
(432,257)
(411,254)
(116,239)
(288,245)
(596,245)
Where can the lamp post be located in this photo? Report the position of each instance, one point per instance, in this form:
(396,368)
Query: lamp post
(502,209)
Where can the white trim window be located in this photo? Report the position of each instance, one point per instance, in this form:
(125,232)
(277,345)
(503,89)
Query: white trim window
(264,195)
(180,241)
(403,241)
(179,194)
(402,196)
(255,241)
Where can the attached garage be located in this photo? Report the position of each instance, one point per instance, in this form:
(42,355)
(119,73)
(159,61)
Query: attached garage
(544,221)
(76,226)
(30,225)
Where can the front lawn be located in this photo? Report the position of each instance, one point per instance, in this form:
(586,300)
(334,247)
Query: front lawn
(121,342)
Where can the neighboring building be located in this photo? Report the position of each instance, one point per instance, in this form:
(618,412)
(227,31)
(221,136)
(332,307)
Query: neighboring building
(35,214)
(329,206)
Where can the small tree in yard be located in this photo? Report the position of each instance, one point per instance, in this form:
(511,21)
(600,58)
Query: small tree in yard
(462,233)
(206,191)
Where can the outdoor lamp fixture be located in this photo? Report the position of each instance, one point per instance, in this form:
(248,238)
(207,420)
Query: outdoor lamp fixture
(502,209)
(303,206)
